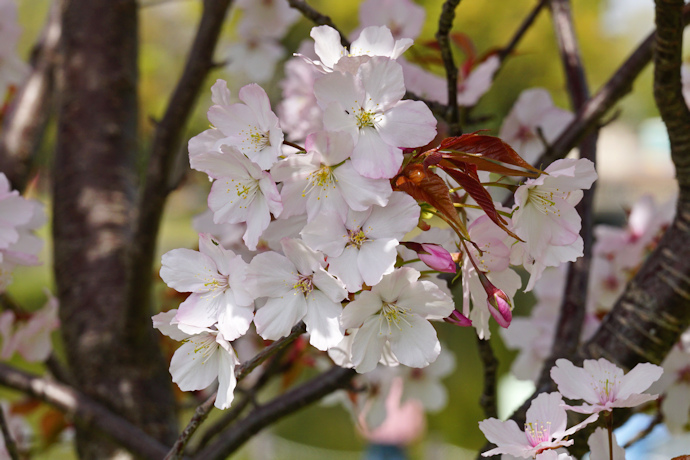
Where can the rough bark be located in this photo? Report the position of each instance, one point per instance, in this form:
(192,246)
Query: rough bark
(92,221)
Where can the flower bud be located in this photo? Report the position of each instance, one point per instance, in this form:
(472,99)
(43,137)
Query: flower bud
(458,319)
(497,301)
(435,256)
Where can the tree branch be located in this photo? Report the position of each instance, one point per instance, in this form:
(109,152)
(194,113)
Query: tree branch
(86,412)
(488,398)
(164,152)
(317,18)
(7,437)
(507,50)
(241,371)
(28,115)
(445,24)
(286,404)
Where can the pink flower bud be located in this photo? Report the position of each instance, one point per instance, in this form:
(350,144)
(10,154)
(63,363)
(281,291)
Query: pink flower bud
(458,319)
(435,256)
(497,301)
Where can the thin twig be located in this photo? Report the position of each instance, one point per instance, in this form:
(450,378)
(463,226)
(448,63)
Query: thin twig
(309,392)
(317,18)
(488,398)
(10,443)
(86,412)
(445,24)
(507,50)
(241,371)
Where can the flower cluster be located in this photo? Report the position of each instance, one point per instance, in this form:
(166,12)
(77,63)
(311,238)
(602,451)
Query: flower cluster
(12,68)
(324,227)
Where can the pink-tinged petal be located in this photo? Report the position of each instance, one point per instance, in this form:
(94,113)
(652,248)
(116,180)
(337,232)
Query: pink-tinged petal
(330,286)
(573,382)
(188,367)
(391,286)
(360,192)
(188,271)
(398,217)
(305,259)
(335,118)
(339,88)
(584,409)
(325,197)
(232,120)
(256,99)
(591,419)
(162,321)
(599,446)
(383,83)
(374,158)
(478,82)
(326,233)
(220,94)
(201,310)
(293,199)
(345,267)
(400,47)
(638,380)
(227,202)
(296,167)
(226,378)
(270,192)
(223,258)
(362,308)
(506,435)
(367,346)
(376,258)
(417,344)
(258,218)
(323,321)
(571,173)
(408,124)
(546,408)
(633,400)
(271,275)
(334,146)
(373,41)
(204,142)
(427,300)
(234,320)
(275,319)
(229,162)
(327,45)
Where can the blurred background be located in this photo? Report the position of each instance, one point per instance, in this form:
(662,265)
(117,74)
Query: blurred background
(633,160)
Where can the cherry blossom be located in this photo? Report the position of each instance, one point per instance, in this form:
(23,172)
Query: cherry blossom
(250,126)
(545,217)
(31,338)
(396,312)
(204,357)
(603,385)
(15,211)
(12,69)
(424,384)
(533,112)
(599,446)
(325,179)
(675,384)
(361,247)
(372,41)
(215,277)
(368,106)
(545,429)
(241,193)
(298,288)
(404,18)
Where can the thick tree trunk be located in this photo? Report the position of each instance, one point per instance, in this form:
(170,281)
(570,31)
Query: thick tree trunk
(93,206)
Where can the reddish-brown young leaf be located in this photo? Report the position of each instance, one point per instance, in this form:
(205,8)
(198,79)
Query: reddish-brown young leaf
(423,185)
(51,425)
(488,148)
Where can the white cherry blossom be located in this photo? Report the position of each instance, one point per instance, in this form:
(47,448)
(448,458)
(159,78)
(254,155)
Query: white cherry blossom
(297,288)
(204,357)
(368,106)
(215,277)
(603,385)
(324,179)
(396,312)
(361,247)
(404,18)
(545,429)
(242,192)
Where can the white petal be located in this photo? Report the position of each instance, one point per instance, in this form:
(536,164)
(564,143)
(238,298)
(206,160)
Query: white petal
(275,319)
(408,124)
(323,321)
(188,367)
(271,275)
(346,268)
(367,346)
(376,258)
(326,233)
(327,45)
(330,286)
(383,82)
(417,344)
(638,380)
(189,271)
(226,378)
(360,192)
(374,158)
(398,217)
(362,308)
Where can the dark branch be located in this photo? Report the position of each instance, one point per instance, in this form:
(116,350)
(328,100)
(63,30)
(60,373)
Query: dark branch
(8,439)
(445,24)
(86,412)
(165,149)
(241,371)
(317,18)
(288,403)
(488,398)
(520,32)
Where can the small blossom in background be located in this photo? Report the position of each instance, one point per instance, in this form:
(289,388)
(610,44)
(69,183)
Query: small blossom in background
(599,446)
(30,338)
(545,429)
(603,385)
(12,69)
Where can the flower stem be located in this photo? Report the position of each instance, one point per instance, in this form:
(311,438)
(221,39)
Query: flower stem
(609,426)
(293,145)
